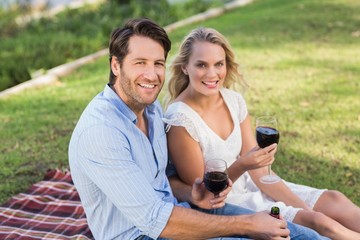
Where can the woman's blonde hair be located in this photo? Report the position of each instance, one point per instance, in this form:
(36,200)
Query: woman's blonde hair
(179,81)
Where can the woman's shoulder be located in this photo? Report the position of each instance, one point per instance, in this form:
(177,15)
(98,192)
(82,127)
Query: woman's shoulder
(230,92)
(180,114)
(175,107)
(232,95)
(179,107)
(236,103)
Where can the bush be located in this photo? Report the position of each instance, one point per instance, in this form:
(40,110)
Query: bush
(49,42)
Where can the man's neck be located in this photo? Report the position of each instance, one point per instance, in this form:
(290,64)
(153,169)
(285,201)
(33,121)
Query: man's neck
(139,112)
(142,124)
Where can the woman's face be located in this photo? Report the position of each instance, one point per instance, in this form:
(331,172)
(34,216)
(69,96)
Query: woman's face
(206,68)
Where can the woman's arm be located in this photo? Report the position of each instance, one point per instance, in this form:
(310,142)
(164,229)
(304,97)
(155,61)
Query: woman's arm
(185,154)
(251,156)
(278,191)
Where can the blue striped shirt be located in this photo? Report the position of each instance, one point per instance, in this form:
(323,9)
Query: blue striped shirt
(119,172)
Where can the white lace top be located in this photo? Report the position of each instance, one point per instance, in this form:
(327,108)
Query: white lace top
(213,146)
(244,191)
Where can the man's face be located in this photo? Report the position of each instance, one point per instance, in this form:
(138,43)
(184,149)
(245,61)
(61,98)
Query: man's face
(141,76)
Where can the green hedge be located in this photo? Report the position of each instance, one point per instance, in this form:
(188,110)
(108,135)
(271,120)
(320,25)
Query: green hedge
(49,42)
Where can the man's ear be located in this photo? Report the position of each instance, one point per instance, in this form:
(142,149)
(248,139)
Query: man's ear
(115,66)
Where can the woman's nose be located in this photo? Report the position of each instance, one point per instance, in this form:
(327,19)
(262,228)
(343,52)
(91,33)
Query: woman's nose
(212,72)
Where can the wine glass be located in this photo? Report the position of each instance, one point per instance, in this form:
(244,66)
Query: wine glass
(216,176)
(266,134)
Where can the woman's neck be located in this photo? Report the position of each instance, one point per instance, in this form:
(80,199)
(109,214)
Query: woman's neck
(200,102)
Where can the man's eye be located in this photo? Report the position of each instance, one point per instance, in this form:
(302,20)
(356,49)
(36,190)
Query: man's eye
(140,63)
(160,64)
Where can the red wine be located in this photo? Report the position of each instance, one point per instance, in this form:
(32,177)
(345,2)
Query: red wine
(215,182)
(265,136)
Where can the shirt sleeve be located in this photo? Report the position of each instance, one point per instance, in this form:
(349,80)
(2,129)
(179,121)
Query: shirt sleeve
(107,159)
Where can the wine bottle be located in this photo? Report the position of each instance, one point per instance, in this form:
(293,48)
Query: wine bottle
(275,212)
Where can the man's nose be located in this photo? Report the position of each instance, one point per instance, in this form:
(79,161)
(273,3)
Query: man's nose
(150,73)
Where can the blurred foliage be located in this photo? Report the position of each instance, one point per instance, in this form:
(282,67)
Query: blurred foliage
(48,42)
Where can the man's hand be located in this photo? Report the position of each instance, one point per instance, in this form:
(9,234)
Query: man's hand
(205,199)
(267,227)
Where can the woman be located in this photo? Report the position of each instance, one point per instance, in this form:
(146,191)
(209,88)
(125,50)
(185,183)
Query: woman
(211,121)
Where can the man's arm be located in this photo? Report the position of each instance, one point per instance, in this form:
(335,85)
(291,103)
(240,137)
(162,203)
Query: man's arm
(194,224)
(191,224)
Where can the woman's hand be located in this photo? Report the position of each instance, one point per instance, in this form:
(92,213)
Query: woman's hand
(205,199)
(257,157)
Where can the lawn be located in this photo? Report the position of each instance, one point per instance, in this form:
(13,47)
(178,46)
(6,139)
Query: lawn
(300,59)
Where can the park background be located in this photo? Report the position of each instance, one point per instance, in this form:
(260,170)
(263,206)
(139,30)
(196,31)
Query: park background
(300,59)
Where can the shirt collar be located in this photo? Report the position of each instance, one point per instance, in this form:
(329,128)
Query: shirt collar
(110,94)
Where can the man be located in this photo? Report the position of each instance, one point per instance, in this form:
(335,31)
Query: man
(118,155)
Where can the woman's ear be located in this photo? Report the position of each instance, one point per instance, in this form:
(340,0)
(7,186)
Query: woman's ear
(115,66)
(183,68)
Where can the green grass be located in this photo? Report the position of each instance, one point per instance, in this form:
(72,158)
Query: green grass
(300,59)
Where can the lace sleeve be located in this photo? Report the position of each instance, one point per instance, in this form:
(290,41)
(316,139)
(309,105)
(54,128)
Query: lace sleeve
(180,119)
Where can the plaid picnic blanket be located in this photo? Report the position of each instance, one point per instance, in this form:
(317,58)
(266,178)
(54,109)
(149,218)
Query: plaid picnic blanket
(50,209)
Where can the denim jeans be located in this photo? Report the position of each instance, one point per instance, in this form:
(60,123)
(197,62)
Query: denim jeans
(297,232)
